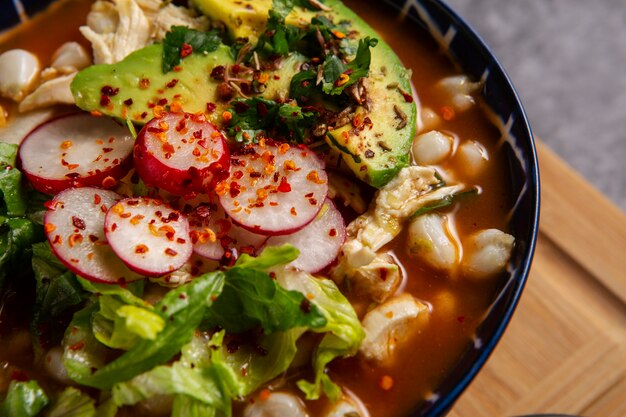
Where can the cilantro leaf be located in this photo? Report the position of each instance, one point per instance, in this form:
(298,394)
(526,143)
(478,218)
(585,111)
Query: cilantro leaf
(358,68)
(257,117)
(182,41)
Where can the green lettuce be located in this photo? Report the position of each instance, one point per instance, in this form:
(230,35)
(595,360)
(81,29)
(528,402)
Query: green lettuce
(344,333)
(24,399)
(121,326)
(181,309)
(73,403)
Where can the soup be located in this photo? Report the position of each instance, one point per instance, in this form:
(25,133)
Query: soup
(454,137)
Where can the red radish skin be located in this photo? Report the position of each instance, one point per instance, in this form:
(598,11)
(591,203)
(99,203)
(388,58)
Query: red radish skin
(213,233)
(181,153)
(76,150)
(149,236)
(74,226)
(274,189)
(319,242)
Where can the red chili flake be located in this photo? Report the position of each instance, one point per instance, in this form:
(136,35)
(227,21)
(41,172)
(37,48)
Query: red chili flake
(185,50)
(144,83)
(293,211)
(107,90)
(170,252)
(144,115)
(197,134)
(235,189)
(332,232)
(105,100)
(386,382)
(312,201)
(109,182)
(447,113)
(128,102)
(284,186)
(78,223)
(162,102)
(218,73)
(93,238)
(77,346)
(181,240)
(107,150)
(305,306)
(238,174)
(210,107)
(172,83)
(141,248)
(49,227)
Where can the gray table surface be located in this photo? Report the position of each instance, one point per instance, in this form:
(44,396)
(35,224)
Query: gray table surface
(567,60)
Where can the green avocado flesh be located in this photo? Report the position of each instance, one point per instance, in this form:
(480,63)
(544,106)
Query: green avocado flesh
(133,87)
(375,152)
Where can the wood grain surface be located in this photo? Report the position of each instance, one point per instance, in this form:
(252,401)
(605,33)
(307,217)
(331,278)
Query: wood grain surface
(565,349)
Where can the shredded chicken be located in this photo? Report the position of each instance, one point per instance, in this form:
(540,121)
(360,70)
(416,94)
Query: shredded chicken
(49,93)
(410,190)
(118,27)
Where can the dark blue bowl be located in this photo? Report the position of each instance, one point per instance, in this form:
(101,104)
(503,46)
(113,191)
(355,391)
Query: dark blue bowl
(475,59)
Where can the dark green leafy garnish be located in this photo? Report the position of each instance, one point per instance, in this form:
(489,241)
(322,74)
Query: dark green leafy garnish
(181,42)
(257,117)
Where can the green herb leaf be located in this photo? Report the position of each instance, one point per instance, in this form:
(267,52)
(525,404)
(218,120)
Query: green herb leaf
(357,68)
(181,41)
(446,201)
(24,399)
(252,299)
(257,117)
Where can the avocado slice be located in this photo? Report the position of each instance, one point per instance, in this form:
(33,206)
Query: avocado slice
(376,151)
(133,87)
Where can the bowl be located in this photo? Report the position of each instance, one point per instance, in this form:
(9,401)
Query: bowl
(473,58)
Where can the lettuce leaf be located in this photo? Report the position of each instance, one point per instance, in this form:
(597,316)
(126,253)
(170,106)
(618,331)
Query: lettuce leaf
(181,309)
(14,196)
(344,333)
(73,403)
(196,380)
(24,399)
(121,326)
(252,299)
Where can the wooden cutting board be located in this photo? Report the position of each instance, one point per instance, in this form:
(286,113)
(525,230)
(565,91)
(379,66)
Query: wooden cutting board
(565,348)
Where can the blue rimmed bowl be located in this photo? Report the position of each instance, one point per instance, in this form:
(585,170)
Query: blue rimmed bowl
(475,59)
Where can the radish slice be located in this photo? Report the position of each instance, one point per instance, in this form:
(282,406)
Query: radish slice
(274,189)
(149,236)
(319,242)
(74,226)
(181,153)
(76,150)
(213,232)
